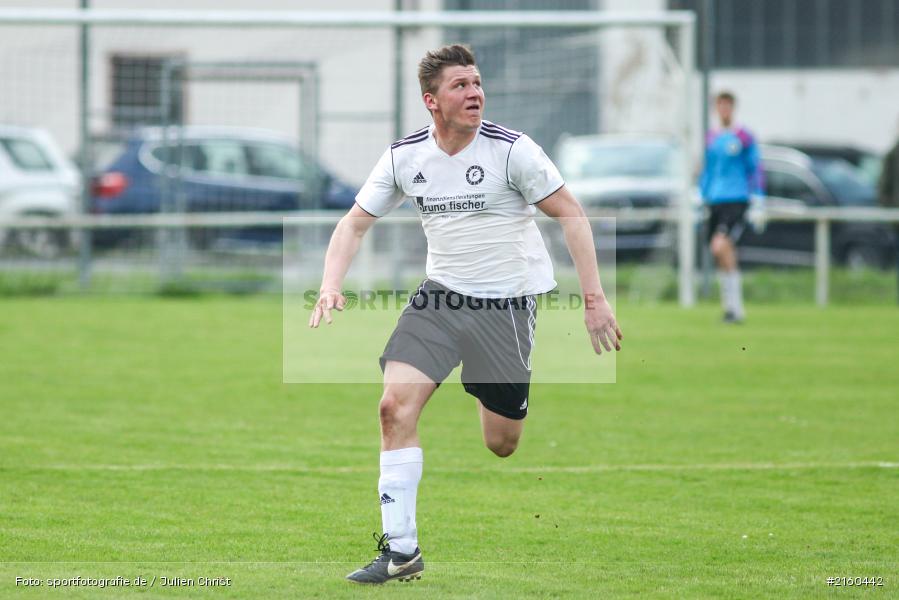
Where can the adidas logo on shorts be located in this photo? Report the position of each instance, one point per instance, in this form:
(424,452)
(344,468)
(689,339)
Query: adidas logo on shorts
(524,405)
(385,499)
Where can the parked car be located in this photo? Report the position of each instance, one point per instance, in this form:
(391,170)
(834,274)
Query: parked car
(36,179)
(795,180)
(221,170)
(868,162)
(624,171)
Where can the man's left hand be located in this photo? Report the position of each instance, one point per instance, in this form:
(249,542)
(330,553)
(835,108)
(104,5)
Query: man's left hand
(600,322)
(757,215)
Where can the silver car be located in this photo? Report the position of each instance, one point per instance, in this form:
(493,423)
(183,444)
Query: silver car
(624,171)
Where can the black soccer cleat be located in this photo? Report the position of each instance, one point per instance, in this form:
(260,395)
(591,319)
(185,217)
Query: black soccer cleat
(732,318)
(389,565)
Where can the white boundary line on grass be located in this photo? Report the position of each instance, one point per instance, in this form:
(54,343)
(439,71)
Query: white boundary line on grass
(761,466)
(348,562)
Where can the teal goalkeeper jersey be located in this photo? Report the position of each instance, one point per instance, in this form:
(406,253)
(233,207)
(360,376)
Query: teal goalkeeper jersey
(733,170)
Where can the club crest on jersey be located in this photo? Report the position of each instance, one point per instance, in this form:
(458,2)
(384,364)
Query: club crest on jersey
(474,175)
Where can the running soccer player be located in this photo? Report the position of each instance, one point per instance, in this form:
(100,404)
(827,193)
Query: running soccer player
(731,178)
(475,185)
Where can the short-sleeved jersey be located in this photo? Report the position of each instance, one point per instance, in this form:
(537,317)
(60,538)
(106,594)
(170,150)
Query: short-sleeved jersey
(476,208)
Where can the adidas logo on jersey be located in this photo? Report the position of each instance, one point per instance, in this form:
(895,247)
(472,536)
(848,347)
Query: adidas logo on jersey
(385,499)
(419,178)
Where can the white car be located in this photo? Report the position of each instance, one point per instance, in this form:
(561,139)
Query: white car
(36,179)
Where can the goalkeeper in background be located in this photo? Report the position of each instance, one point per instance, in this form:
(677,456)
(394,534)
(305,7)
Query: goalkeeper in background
(731,185)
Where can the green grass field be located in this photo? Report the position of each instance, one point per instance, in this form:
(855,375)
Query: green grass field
(146,437)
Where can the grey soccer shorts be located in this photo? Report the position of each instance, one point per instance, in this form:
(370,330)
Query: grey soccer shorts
(492,338)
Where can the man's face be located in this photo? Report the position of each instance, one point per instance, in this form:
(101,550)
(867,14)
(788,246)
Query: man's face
(459,100)
(725,110)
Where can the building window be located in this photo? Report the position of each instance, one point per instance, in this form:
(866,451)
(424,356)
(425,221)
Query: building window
(137,92)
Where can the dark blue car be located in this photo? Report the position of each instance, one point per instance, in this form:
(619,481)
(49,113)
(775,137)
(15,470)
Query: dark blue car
(221,170)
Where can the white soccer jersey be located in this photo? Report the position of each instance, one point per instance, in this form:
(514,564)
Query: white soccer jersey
(476,208)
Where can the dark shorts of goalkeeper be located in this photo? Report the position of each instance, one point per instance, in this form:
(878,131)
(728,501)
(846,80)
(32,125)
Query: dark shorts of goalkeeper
(728,218)
(491,338)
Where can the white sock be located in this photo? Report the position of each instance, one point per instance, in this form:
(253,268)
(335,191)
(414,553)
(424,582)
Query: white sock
(736,294)
(724,290)
(397,488)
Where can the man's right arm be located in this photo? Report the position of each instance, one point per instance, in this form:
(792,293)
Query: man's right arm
(344,245)
(379,195)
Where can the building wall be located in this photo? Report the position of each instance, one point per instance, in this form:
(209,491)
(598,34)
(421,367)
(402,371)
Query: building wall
(635,89)
(40,70)
(854,106)
(846,106)
(641,89)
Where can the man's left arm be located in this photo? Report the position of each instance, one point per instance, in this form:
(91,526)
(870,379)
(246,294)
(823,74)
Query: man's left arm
(754,171)
(755,174)
(598,317)
(888,177)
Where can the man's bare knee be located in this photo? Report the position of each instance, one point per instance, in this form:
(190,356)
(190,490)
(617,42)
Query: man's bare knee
(398,406)
(387,407)
(391,407)
(723,251)
(718,245)
(503,447)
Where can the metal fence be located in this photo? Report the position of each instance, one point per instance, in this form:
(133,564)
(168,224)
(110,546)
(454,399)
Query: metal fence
(392,255)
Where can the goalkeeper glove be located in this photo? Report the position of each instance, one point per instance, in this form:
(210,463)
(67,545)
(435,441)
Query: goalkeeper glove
(756,215)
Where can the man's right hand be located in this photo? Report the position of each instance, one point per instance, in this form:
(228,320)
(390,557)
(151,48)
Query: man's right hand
(328,300)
